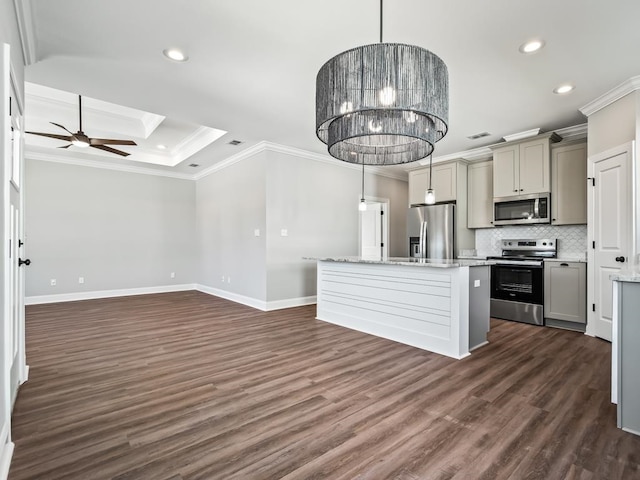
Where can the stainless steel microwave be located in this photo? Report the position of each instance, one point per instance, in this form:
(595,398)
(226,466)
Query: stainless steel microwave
(522,209)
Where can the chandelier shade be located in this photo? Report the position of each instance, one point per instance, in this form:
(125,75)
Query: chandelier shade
(382,104)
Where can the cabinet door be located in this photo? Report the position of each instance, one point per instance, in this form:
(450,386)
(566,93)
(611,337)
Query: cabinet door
(565,291)
(569,185)
(534,167)
(480,195)
(418,183)
(444,182)
(506,171)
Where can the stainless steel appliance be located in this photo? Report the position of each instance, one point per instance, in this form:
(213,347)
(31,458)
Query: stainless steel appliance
(431,231)
(523,209)
(517,280)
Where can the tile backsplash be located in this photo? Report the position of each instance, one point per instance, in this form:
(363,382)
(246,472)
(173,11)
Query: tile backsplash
(572,239)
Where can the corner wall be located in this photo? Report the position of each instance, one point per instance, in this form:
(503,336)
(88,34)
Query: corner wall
(117,230)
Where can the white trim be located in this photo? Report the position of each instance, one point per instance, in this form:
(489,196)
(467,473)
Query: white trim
(485,153)
(624,89)
(521,135)
(6,453)
(291,302)
(234,297)
(73,297)
(31,154)
(254,302)
(274,147)
(25,375)
(27,31)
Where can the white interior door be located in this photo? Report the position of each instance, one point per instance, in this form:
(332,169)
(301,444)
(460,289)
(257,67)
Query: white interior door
(17,262)
(373,230)
(610,232)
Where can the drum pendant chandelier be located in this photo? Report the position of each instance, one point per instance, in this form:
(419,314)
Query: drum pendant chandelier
(382,104)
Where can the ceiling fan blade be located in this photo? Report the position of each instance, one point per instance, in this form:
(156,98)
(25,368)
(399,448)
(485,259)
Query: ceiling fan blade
(111,150)
(52,135)
(110,141)
(65,146)
(58,125)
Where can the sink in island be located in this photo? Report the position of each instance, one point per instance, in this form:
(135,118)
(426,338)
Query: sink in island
(437,305)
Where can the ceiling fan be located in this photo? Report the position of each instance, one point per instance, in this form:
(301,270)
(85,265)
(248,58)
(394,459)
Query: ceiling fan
(79,139)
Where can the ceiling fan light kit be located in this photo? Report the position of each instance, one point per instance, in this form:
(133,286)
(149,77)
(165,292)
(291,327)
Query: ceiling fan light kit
(79,139)
(382,104)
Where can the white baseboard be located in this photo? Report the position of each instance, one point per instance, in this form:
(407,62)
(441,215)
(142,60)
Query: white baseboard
(6,451)
(291,302)
(72,297)
(254,302)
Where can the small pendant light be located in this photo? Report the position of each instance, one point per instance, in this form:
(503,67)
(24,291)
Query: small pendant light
(363,204)
(429,196)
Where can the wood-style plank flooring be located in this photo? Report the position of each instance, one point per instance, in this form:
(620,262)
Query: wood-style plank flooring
(190,386)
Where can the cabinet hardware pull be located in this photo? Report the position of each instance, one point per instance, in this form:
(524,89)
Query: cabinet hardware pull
(564,264)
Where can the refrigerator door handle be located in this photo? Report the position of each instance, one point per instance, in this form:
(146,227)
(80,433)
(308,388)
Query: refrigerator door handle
(423,240)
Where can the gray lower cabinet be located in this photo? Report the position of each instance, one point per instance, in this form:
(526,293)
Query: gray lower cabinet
(628,356)
(565,294)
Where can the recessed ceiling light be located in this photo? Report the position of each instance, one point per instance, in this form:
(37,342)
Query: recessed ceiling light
(175,54)
(566,88)
(531,46)
(161,147)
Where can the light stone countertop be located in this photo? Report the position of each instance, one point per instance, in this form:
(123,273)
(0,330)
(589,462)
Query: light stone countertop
(627,275)
(408,261)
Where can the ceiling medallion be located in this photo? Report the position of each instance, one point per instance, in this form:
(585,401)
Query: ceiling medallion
(382,104)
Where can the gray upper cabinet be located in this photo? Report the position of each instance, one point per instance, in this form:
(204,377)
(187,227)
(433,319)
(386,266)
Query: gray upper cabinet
(445,182)
(569,184)
(480,195)
(522,168)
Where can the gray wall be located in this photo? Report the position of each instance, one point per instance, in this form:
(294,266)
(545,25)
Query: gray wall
(118,230)
(317,203)
(230,206)
(614,125)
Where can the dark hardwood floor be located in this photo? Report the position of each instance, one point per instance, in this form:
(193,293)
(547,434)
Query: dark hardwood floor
(190,386)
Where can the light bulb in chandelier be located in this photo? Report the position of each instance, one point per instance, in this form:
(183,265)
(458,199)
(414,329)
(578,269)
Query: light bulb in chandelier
(429,197)
(363,205)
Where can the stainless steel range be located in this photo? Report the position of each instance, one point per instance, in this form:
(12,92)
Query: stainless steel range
(517,279)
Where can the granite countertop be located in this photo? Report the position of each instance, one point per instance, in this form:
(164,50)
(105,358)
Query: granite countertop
(409,261)
(627,275)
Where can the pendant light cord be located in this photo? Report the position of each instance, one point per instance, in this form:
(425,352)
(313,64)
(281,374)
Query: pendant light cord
(430,170)
(363,179)
(380,21)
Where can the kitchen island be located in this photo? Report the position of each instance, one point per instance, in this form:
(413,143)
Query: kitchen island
(437,305)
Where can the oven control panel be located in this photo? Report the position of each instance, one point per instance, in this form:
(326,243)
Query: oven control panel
(530,244)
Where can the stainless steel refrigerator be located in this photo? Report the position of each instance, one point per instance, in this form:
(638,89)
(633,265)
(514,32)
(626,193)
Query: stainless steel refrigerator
(431,231)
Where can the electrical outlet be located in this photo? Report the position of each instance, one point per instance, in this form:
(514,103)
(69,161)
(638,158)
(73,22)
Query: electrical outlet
(284,232)
(476,283)
(53,282)
(256,232)
(173,274)
(228,279)
(222,278)
(80,279)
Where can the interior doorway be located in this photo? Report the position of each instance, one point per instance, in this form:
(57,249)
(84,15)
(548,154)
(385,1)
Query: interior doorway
(374,231)
(610,232)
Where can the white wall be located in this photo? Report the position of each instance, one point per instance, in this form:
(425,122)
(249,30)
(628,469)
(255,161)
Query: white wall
(118,230)
(230,206)
(613,125)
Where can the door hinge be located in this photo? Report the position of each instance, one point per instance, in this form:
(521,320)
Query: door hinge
(382,245)
(593,181)
(593,244)
(381,212)
(10,106)
(593,307)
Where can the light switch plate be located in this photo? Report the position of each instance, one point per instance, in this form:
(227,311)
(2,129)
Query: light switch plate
(284,232)
(476,283)
(256,232)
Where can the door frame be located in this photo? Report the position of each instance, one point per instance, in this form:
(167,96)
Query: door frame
(385,206)
(629,149)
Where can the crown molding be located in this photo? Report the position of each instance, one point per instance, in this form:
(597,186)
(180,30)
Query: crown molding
(611,96)
(30,154)
(195,142)
(573,133)
(26,30)
(317,157)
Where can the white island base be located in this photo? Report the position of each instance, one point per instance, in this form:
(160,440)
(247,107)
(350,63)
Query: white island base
(441,306)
